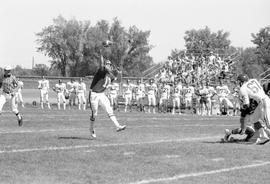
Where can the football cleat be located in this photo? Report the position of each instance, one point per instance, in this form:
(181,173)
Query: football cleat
(120,128)
(93,135)
(20,121)
(262,141)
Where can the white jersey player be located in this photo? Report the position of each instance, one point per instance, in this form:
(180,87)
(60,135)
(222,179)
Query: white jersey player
(252,90)
(128,88)
(151,89)
(139,95)
(60,89)
(165,90)
(204,93)
(43,86)
(223,93)
(81,93)
(210,101)
(18,94)
(72,89)
(188,92)
(113,94)
(236,101)
(176,95)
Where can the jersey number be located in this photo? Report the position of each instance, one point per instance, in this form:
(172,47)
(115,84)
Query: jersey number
(254,86)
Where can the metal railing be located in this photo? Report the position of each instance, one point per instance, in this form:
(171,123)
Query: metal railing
(150,74)
(152,70)
(265,74)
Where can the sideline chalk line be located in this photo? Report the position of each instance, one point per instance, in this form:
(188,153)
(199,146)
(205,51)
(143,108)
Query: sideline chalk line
(181,176)
(55,148)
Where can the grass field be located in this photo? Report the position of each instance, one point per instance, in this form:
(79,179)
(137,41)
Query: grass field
(54,147)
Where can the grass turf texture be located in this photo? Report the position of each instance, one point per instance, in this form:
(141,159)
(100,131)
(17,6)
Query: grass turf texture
(54,147)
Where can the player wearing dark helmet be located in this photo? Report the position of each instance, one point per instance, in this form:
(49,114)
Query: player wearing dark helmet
(242,78)
(251,90)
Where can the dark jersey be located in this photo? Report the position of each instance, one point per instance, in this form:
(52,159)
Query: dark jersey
(8,83)
(99,82)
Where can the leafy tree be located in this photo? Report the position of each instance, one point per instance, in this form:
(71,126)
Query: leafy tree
(262,42)
(19,71)
(75,46)
(201,42)
(41,70)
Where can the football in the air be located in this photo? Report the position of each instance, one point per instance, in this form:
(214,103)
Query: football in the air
(107,43)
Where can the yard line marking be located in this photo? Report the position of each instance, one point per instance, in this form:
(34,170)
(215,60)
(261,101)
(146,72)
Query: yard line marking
(181,176)
(37,131)
(55,148)
(128,119)
(101,128)
(217,159)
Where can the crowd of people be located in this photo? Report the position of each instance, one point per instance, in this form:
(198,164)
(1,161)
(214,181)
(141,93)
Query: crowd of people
(191,69)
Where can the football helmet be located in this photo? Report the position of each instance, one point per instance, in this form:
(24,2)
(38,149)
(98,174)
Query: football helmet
(7,68)
(242,78)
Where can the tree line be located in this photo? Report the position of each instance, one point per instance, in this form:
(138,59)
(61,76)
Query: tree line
(74,48)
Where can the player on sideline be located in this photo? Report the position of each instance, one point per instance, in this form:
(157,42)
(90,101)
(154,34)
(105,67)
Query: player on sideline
(251,89)
(60,89)
(176,94)
(128,87)
(164,97)
(97,95)
(151,95)
(9,85)
(223,94)
(72,89)
(139,93)
(18,94)
(43,86)
(188,92)
(113,94)
(211,93)
(81,93)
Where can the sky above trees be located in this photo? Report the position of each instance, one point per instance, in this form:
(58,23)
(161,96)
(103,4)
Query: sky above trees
(167,20)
